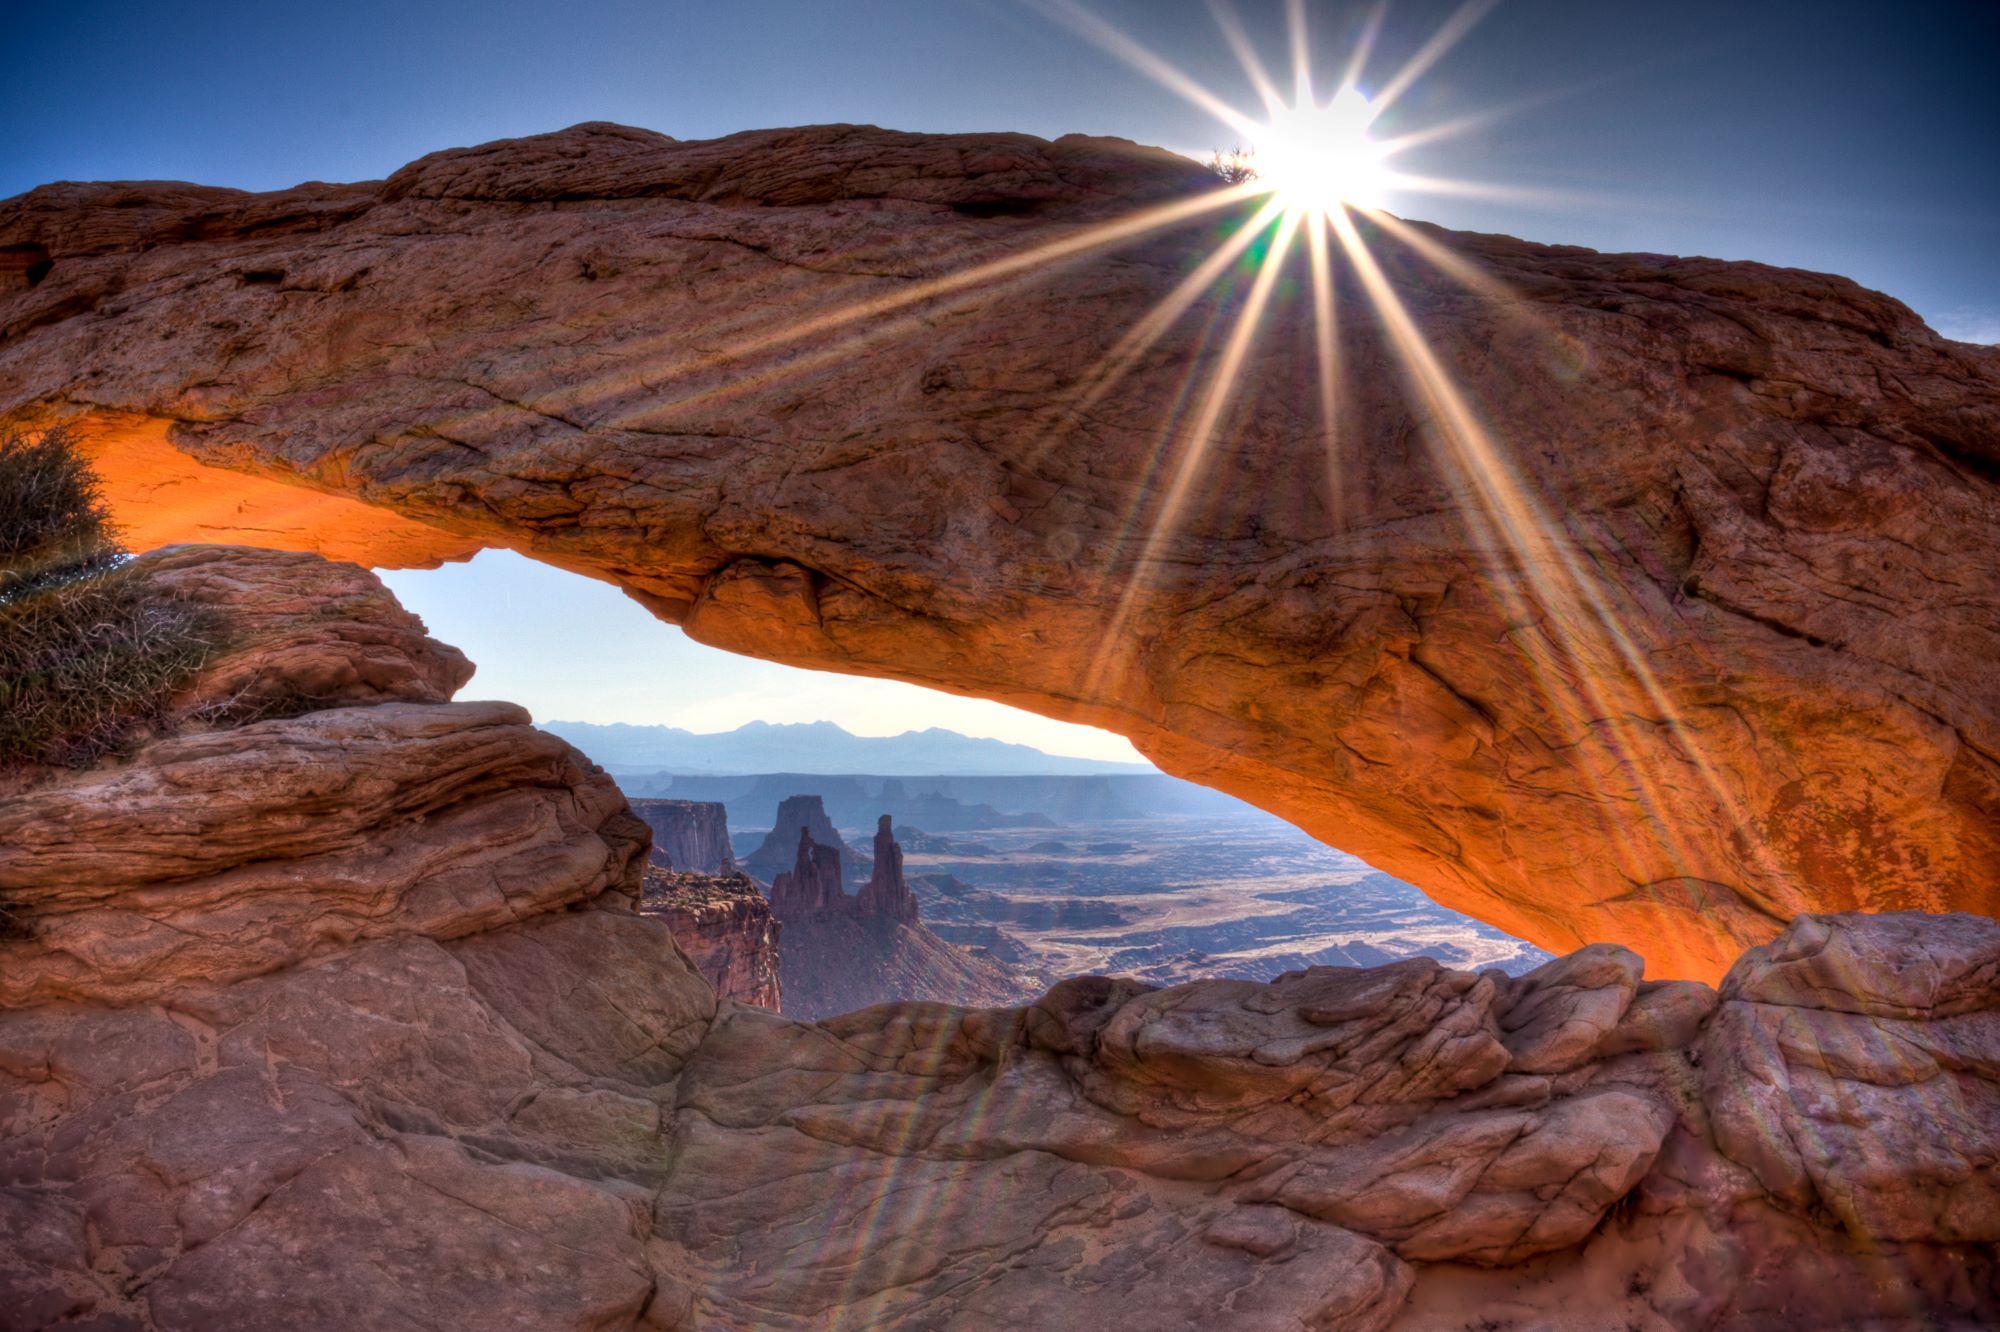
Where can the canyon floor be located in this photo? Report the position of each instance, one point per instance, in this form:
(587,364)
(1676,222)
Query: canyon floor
(1245,896)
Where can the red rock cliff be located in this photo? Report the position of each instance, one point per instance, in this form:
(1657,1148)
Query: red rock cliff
(688,834)
(725,926)
(886,894)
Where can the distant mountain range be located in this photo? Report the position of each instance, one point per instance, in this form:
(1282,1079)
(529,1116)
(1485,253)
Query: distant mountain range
(818,747)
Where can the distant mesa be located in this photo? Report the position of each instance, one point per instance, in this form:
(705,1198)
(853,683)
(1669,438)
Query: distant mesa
(781,846)
(1051,848)
(945,805)
(688,834)
(919,842)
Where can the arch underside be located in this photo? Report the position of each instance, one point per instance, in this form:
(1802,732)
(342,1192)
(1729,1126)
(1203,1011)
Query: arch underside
(1701,639)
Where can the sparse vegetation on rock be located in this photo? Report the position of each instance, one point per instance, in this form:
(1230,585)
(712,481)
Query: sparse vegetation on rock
(88,653)
(1236,166)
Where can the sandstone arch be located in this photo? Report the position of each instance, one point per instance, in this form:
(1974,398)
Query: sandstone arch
(1769,688)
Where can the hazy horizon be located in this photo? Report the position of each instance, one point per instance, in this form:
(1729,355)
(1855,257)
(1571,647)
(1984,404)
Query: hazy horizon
(591,654)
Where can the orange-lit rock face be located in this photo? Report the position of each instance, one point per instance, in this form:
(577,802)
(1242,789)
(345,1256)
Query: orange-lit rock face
(1715,647)
(163,496)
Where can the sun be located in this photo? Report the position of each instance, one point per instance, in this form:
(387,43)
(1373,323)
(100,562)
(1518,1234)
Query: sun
(1320,156)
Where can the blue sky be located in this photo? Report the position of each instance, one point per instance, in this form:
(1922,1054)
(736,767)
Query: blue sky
(1859,138)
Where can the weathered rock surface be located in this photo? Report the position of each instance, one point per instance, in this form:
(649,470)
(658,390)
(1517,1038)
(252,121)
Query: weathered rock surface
(688,834)
(302,634)
(724,925)
(750,380)
(374,1037)
(237,849)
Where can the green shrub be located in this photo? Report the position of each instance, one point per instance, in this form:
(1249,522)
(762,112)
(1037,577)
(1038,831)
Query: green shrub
(53,521)
(88,653)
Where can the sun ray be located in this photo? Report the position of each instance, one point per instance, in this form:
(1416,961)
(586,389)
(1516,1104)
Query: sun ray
(1433,50)
(1144,59)
(652,363)
(1580,624)
(1326,351)
(1194,450)
(1364,45)
(1295,33)
(1459,269)
(1482,189)
(1231,27)
(1136,341)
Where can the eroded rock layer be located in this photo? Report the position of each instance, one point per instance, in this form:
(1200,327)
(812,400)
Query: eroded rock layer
(1649,599)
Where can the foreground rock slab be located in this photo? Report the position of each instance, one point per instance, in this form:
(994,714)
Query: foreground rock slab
(1683,626)
(377,1036)
(553,1124)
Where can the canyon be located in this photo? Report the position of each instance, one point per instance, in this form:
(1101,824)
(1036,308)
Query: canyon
(347,1014)
(1625,597)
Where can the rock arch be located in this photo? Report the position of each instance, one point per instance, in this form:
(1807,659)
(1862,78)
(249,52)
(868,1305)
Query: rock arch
(749,381)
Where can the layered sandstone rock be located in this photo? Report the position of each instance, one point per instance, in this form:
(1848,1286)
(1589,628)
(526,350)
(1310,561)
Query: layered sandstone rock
(688,834)
(1655,602)
(300,634)
(368,806)
(724,925)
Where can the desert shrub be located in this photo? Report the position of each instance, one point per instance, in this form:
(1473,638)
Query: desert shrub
(53,521)
(1235,166)
(88,653)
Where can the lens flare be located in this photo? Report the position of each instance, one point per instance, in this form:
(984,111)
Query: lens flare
(1321,156)
(1325,178)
